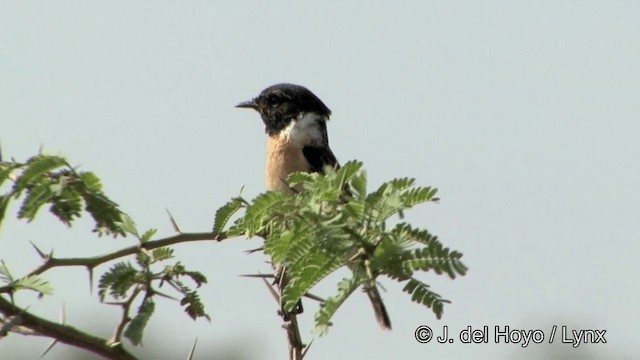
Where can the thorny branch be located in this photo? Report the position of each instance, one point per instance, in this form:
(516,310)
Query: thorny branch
(51,262)
(66,334)
(109,348)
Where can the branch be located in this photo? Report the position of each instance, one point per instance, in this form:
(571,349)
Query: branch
(91,262)
(65,333)
(296,347)
(126,307)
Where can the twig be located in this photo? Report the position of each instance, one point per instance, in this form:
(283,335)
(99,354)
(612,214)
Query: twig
(91,262)
(126,307)
(65,333)
(296,347)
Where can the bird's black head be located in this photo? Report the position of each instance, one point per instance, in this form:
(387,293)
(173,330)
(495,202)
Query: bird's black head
(280,104)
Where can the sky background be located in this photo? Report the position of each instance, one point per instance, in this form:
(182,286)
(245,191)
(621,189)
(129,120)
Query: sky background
(525,115)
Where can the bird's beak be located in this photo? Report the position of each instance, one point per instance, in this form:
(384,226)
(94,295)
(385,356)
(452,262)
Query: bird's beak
(251,104)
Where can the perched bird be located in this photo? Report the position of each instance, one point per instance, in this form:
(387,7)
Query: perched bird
(295,121)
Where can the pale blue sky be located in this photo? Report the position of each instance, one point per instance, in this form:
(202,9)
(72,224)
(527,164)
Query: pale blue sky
(524,114)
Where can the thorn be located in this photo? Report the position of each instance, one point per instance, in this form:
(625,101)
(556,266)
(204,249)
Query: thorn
(90,270)
(42,255)
(62,314)
(254,250)
(306,348)
(192,351)
(384,289)
(173,222)
(241,188)
(116,303)
(40,149)
(0,152)
(156,292)
(264,276)
(53,343)
(273,291)
(9,324)
(314,297)
(358,255)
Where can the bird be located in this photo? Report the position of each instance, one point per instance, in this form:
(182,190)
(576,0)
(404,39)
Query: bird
(295,121)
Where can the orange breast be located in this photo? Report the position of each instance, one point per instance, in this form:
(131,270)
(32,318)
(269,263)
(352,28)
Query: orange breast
(283,158)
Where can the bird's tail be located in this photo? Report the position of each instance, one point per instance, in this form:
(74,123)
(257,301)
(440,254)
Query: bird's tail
(378,307)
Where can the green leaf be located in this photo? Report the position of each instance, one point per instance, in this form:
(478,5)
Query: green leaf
(6,169)
(348,171)
(359,184)
(136,327)
(161,254)
(143,259)
(224,213)
(420,293)
(438,258)
(118,280)
(36,167)
(405,233)
(67,206)
(127,225)
(91,181)
(300,178)
(37,196)
(418,195)
(196,276)
(104,212)
(260,212)
(34,283)
(4,204)
(323,317)
(194,307)
(5,275)
(315,267)
(148,235)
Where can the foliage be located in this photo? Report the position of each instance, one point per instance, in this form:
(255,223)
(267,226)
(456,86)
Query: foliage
(46,180)
(50,180)
(124,281)
(331,222)
(314,232)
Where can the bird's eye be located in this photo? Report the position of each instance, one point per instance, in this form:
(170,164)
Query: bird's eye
(274,101)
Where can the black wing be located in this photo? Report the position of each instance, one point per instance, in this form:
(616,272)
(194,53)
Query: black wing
(318,157)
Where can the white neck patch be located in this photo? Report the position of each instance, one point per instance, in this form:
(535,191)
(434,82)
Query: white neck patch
(304,130)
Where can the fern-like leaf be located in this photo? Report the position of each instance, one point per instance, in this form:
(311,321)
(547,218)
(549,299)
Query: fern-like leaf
(5,274)
(34,168)
(161,254)
(135,328)
(317,266)
(117,281)
(127,225)
(193,305)
(6,169)
(421,294)
(37,196)
(34,283)
(359,184)
(148,235)
(323,317)
(224,213)
(4,204)
(67,206)
(258,214)
(91,181)
(418,195)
